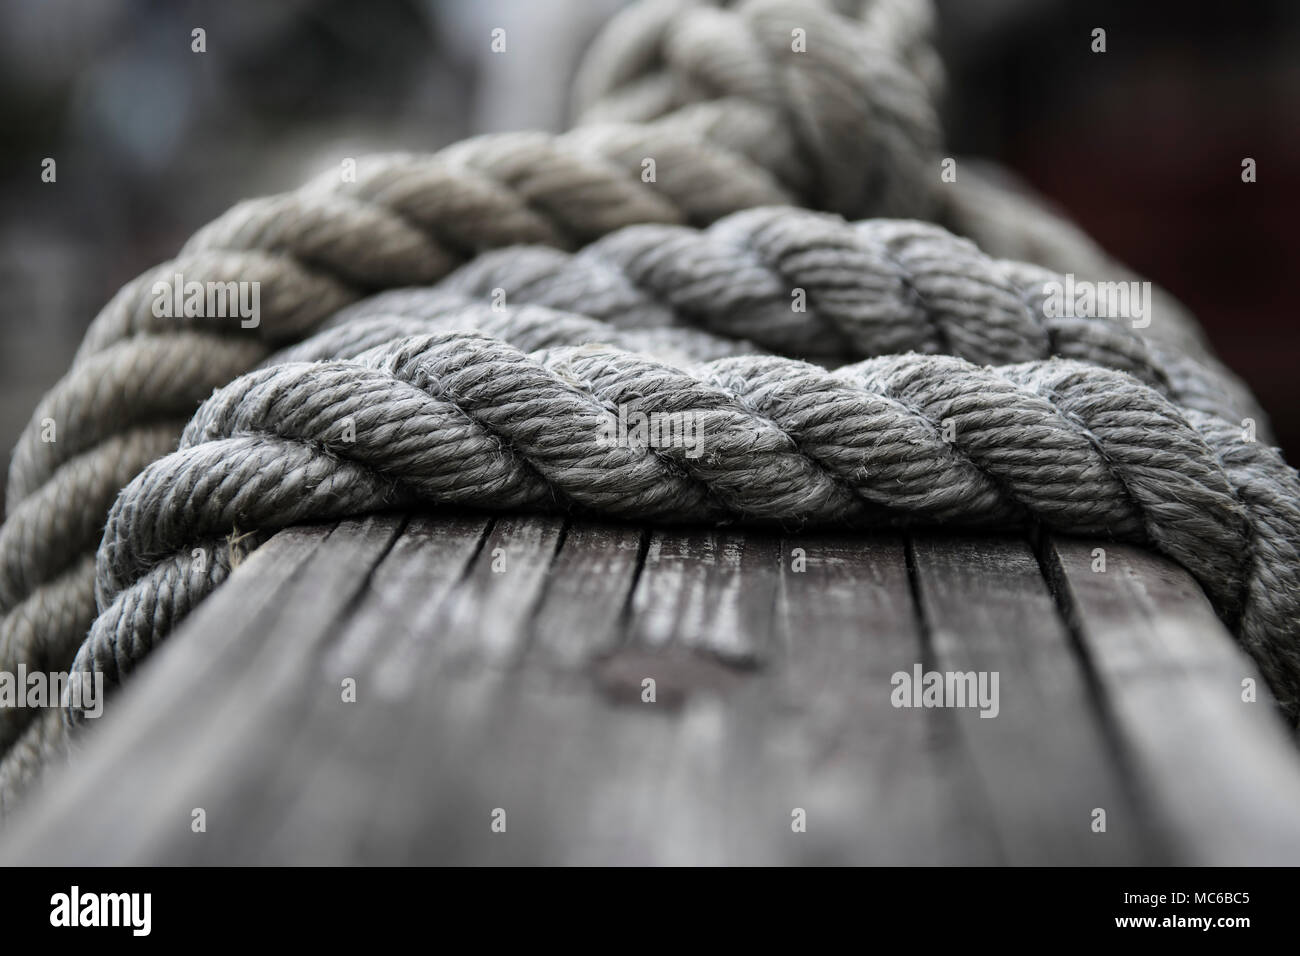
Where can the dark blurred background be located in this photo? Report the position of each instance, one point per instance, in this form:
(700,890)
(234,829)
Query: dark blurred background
(1142,145)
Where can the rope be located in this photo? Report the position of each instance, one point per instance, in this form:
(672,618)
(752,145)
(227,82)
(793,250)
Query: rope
(860,86)
(618,294)
(400,220)
(462,418)
(46,579)
(848,125)
(875,287)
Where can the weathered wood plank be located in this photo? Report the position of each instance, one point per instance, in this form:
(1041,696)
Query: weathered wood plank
(710,590)
(588,592)
(882,785)
(498,665)
(487,618)
(1221,773)
(197,709)
(1044,758)
(333,788)
(584,770)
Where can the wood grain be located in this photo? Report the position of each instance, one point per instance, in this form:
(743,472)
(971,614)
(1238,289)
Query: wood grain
(1221,772)
(500,665)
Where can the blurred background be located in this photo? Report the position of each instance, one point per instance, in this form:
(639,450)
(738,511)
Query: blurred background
(1142,145)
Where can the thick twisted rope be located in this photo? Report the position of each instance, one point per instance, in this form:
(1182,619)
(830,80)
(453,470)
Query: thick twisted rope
(731,75)
(397,220)
(407,219)
(846,124)
(875,287)
(467,419)
(51,598)
(799,89)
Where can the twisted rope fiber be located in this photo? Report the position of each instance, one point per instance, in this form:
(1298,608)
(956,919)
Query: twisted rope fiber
(749,257)
(44,588)
(728,74)
(410,219)
(736,69)
(65,516)
(876,287)
(533,328)
(407,218)
(318,249)
(467,419)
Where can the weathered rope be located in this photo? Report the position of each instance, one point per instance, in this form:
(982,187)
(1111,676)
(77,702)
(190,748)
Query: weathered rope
(875,287)
(871,288)
(467,419)
(734,118)
(728,74)
(405,219)
(51,596)
(799,89)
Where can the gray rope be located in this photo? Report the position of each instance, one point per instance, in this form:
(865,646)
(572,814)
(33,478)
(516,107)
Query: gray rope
(401,219)
(840,125)
(456,418)
(400,223)
(527,327)
(876,287)
(889,287)
(862,85)
(410,219)
(48,541)
(1005,218)
(847,125)
(873,287)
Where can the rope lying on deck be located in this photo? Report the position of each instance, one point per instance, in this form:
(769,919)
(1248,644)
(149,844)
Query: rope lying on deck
(468,419)
(875,287)
(734,120)
(883,280)
(411,219)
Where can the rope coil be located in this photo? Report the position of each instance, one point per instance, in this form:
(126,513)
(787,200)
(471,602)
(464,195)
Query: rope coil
(923,381)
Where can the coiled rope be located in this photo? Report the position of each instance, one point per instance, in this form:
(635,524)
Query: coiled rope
(399,220)
(464,418)
(1142,443)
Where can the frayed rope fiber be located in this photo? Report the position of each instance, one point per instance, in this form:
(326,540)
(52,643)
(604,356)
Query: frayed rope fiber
(665,297)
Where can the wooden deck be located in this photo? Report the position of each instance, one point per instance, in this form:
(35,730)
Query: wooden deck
(499,665)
